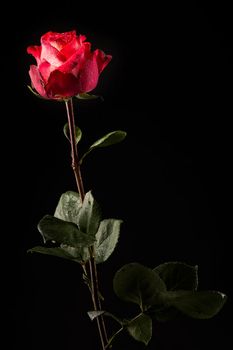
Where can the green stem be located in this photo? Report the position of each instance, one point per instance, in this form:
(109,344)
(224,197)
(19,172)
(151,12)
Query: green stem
(113,337)
(137,316)
(120,329)
(78,177)
(98,294)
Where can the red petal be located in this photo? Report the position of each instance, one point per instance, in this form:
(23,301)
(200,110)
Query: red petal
(47,36)
(86,55)
(49,53)
(80,39)
(61,85)
(45,69)
(59,40)
(37,81)
(35,51)
(73,64)
(102,59)
(88,74)
(71,47)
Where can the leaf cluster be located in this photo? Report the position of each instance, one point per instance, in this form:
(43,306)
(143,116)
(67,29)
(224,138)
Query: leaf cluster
(75,226)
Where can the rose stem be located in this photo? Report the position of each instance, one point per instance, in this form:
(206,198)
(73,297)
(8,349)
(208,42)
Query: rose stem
(74,150)
(79,182)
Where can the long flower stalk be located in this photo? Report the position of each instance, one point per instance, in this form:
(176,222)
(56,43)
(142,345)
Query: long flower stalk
(94,288)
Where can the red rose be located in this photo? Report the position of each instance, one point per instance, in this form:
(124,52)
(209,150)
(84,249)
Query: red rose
(66,66)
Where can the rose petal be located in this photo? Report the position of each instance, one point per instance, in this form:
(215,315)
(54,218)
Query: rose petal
(66,65)
(62,85)
(60,40)
(45,69)
(71,47)
(37,81)
(85,55)
(88,74)
(35,51)
(49,53)
(80,39)
(102,59)
(74,63)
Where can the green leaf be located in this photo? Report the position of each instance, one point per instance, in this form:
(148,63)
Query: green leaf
(68,207)
(141,328)
(78,254)
(109,139)
(86,96)
(90,215)
(163,313)
(53,229)
(78,133)
(201,304)
(57,99)
(177,275)
(56,251)
(35,93)
(138,284)
(106,239)
(105,141)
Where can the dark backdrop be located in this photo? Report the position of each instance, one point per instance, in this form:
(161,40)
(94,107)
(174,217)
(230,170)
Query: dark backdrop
(169,86)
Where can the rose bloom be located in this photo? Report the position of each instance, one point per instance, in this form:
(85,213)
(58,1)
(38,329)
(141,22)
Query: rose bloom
(66,66)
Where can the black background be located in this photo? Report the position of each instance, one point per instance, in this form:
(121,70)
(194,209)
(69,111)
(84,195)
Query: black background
(169,86)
